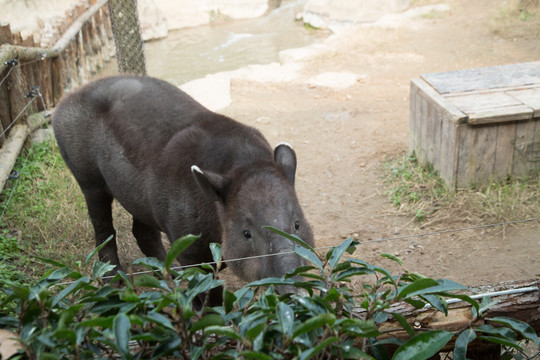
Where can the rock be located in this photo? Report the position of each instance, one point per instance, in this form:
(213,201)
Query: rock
(243,9)
(213,91)
(337,15)
(41,135)
(153,21)
(188,13)
(335,80)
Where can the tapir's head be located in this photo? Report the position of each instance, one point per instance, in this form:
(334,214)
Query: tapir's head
(251,197)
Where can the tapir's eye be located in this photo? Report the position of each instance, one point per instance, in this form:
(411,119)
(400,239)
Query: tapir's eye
(247,234)
(297,225)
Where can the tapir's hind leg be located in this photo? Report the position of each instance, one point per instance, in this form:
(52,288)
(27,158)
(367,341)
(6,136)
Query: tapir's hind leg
(99,203)
(148,239)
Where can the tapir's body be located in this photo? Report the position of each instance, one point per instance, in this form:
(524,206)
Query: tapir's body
(136,139)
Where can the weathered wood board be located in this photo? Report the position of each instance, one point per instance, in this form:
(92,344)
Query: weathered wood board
(477,125)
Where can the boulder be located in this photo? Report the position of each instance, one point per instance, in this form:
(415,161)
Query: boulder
(188,13)
(153,21)
(339,14)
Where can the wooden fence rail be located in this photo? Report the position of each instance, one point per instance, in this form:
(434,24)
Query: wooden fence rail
(83,44)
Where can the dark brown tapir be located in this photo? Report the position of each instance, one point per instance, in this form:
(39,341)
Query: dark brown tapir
(179,168)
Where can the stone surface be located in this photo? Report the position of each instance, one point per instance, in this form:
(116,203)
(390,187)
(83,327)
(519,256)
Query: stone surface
(187,13)
(337,15)
(152,19)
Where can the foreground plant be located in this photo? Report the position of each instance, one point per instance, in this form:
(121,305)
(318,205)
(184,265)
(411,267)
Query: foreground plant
(74,316)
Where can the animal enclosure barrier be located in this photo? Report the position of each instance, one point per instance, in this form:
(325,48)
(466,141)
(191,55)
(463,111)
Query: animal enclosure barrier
(477,125)
(73,51)
(127,36)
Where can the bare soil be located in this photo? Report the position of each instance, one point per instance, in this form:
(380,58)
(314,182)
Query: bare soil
(344,137)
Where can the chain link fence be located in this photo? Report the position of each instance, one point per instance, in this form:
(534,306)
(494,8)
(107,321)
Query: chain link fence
(127,36)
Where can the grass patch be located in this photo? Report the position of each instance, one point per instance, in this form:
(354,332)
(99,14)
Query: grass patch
(44,211)
(419,192)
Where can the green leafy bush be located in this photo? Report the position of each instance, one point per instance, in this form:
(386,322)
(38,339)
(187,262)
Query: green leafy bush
(69,315)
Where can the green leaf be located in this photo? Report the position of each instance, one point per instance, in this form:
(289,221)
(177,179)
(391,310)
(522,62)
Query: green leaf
(392,257)
(462,341)
(502,331)
(215,248)
(307,354)
(99,321)
(150,263)
(418,304)
(285,317)
(350,272)
(159,319)
(121,329)
(206,321)
(101,246)
(100,269)
(501,341)
(71,288)
(463,297)
(145,280)
(338,252)
(422,286)
(177,248)
(436,302)
(299,271)
(224,331)
(521,327)
(485,304)
(50,261)
(271,281)
(255,355)
(314,323)
(310,256)
(423,346)
(416,287)
(358,327)
(291,237)
(404,324)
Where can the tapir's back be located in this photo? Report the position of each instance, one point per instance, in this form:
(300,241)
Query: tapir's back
(142,117)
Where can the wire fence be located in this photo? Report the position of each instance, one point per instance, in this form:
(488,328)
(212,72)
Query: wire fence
(127,36)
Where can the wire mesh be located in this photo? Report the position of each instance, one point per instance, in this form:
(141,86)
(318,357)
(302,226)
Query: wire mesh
(127,36)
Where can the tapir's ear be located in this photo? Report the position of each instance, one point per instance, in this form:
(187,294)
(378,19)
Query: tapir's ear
(212,184)
(285,158)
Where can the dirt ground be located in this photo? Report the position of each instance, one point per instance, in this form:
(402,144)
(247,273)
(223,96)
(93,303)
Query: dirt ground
(343,138)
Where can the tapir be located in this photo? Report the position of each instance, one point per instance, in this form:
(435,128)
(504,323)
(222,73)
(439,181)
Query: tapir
(179,168)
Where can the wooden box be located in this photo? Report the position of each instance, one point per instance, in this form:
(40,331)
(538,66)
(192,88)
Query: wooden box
(477,125)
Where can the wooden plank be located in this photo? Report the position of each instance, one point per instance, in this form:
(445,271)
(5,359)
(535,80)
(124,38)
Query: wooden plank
(445,118)
(474,102)
(448,167)
(438,155)
(504,150)
(454,114)
(524,145)
(519,305)
(413,118)
(529,97)
(484,78)
(476,160)
(499,115)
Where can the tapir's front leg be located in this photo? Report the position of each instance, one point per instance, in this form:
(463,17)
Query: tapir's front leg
(99,205)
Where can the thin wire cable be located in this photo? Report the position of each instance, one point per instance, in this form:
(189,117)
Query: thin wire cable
(17,117)
(7,75)
(6,205)
(176,268)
